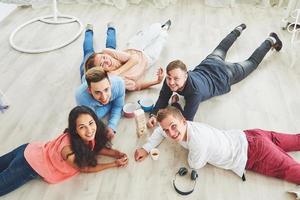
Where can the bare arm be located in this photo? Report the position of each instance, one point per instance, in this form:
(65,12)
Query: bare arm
(129,60)
(69,157)
(112,153)
(160,77)
(133,60)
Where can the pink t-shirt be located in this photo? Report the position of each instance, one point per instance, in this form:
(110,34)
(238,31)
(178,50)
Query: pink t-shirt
(47,161)
(135,74)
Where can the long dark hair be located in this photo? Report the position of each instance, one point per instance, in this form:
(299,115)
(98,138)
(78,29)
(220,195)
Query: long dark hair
(84,155)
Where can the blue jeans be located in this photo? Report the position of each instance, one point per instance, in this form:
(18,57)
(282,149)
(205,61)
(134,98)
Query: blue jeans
(15,170)
(240,70)
(88,47)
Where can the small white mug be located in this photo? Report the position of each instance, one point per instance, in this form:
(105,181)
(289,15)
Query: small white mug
(154,154)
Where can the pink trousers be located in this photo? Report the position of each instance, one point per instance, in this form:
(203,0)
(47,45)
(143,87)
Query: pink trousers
(267,154)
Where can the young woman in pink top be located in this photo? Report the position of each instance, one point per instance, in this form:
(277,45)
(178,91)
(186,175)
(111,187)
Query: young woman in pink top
(72,152)
(142,51)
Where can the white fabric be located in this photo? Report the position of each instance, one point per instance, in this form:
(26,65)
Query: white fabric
(150,41)
(121,4)
(219,3)
(224,149)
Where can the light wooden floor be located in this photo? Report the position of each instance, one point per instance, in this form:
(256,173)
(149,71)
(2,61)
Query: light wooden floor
(40,89)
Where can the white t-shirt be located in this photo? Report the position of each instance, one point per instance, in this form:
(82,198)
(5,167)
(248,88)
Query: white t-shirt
(224,149)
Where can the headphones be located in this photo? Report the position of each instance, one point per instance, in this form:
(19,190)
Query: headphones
(183,171)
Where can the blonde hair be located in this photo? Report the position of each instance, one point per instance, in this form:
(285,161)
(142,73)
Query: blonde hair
(170,110)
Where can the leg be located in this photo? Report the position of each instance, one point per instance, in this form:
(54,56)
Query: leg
(266,158)
(6,159)
(287,142)
(239,71)
(17,173)
(145,37)
(221,50)
(88,49)
(153,50)
(111,37)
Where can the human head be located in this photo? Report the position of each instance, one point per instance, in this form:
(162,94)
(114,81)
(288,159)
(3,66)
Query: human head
(98,59)
(176,75)
(172,122)
(98,84)
(85,127)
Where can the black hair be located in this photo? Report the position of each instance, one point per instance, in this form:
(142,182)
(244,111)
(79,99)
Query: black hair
(84,155)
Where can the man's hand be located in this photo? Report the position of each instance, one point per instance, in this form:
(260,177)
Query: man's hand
(110,134)
(152,122)
(140,154)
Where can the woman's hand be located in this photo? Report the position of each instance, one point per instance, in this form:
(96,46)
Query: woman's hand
(121,162)
(120,154)
(160,75)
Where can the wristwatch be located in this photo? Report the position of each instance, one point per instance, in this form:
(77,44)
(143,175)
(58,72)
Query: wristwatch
(152,115)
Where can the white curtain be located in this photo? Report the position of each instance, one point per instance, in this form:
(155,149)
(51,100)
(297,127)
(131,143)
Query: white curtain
(220,3)
(121,4)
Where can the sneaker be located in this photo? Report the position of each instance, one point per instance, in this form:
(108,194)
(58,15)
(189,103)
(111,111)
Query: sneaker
(3,108)
(278,44)
(241,27)
(89,27)
(166,25)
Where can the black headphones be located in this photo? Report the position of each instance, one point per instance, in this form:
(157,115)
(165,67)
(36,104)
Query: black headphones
(183,171)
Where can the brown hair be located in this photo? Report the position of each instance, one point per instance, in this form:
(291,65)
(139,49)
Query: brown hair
(170,110)
(176,64)
(95,74)
(90,62)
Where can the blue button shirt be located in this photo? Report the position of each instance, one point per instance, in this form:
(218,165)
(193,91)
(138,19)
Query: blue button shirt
(115,105)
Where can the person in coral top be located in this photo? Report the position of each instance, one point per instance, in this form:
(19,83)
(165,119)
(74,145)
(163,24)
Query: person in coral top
(72,152)
(141,53)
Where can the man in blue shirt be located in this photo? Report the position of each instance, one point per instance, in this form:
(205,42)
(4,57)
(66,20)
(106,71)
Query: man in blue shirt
(104,94)
(212,77)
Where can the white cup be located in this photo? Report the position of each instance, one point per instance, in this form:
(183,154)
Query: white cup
(154,154)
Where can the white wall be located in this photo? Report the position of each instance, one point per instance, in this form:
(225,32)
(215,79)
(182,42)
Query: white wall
(5,9)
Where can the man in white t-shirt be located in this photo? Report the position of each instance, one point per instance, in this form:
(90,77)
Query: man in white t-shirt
(236,150)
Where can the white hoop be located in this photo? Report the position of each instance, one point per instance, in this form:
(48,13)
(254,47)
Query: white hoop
(47,20)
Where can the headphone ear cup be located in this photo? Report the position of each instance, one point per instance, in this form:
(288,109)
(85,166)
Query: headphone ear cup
(194,175)
(182,171)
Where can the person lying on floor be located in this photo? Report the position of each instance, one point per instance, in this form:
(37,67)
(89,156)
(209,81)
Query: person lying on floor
(257,150)
(104,94)
(72,152)
(141,53)
(212,77)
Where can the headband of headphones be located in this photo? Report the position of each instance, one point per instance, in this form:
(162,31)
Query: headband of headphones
(181,172)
